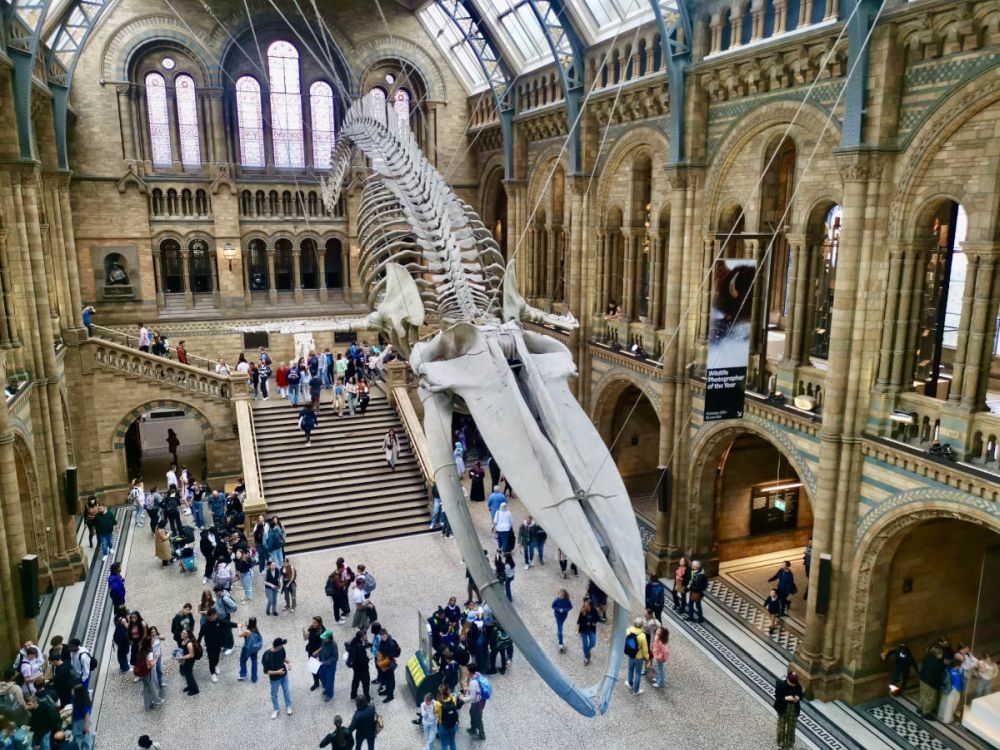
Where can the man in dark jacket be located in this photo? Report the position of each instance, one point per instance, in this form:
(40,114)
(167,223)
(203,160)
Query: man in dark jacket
(104,525)
(696,592)
(357,660)
(171,507)
(902,664)
(932,671)
(656,594)
(785,585)
(44,720)
(214,634)
(388,651)
(183,620)
(787,698)
(363,724)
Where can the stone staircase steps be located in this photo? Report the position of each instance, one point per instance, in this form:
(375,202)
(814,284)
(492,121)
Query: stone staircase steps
(339,490)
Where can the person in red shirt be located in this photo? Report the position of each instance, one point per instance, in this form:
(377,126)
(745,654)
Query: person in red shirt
(281,378)
(182,355)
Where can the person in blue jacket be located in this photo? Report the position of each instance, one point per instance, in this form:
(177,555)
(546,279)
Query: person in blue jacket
(785,586)
(308,421)
(561,606)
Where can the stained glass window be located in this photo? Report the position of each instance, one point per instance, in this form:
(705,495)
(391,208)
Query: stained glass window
(378,92)
(251,123)
(159,121)
(187,120)
(401,103)
(321,105)
(286,106)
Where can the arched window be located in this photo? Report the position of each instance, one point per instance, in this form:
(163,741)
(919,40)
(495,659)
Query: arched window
(187,120)
(286,105)
(257,277)
(308,264)
(324,138)
(379,92)
(173,271)
(159,120)
(332,264)
(251,122)
(283,269)
(200,264)
(401,104)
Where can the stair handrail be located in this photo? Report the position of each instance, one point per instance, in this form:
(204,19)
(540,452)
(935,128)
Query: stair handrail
(254,502)
(111,335)
(414,430)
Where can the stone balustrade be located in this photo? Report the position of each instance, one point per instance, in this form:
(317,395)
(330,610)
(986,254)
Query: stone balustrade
(139,364)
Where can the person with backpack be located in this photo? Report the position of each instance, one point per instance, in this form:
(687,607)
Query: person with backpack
(561,606)
(294,378)
(388,652)
(145,670)
(226,607)
(104,525)
(363,572)
(337,585)
(275,663)
(364,724)
(339,738)
(476,694)
(189,652)
(253,642)
(446,707)
(501,645)
(276,542)
(656,595)
(308,421)
(81,661)
(637,651)
(137,498)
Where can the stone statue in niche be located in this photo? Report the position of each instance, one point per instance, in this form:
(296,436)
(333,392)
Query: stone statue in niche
(117,284)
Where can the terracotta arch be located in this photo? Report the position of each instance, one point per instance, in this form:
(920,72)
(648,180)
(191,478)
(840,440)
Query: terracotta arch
(706,449)
(118,434)
(607,391)
(30,498)
(638,139)
(879,535)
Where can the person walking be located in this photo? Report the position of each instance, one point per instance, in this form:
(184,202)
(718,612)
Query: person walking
(263,375)
(477,489)
(352,395)
(145,670)
(773,606)
(787,700)
(661,655)
(388,652)
(390,446)
(446,707)
(458,453)
(244,569)
(363,608)
(272,584)
(90,511)
(182,354)
(275,664)
(337,586)
(932,676)
(656,594)
(104,524)
(637,651)
(503,527)
(276,541)
(161,544)
(214,633)
(363,725)
(785,585)
(586,626)
(308,421)
(682,577)
(294,378)
(281,379)
(561,606)
(188,653)
(477,692)
(357,662)
(338,397)
(253,642)
(289,584)
(696,592)
(116,585)
(903,662)
(313,636)
(83,733)
(527,535)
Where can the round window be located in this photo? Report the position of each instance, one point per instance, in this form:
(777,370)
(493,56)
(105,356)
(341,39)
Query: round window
(390,78)
(168,63)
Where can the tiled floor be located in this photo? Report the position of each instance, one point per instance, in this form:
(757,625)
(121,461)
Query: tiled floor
(702,707)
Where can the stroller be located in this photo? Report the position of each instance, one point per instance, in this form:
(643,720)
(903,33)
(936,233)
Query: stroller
(181,546)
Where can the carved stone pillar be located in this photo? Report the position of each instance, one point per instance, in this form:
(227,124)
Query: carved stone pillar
(805,13)
(271,279)
(125,119)
(158,276)
(901,372)
(247,296)
(656,279)
(736,28)
(759,304)
(6,301)
(890,319)
(72,263)
(797,300)
(780,16)
(981,329)
(601,294)
(832,10)
(757,21)
(716,26)
(217,125)
(175,143)
(321,260)
(297,274)
(186,277)
(631,246)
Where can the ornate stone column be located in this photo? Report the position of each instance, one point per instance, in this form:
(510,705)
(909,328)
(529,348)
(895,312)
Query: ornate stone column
(805,14)
(758,303)
(247,296)
(158,276)
(716,26)
(186,277)
(901,374)
(175,143)
(321,260)
(797,300)
(656,278)
(271,280)
(601,297)
(551,261)
(72,263)
(297,274)
(736,28)
(983,301)
(890,318)
(630,236)
(756,20)
(6,301)
(780,20)
(126,122)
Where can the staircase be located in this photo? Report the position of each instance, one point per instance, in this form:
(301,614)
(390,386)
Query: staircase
(339,490)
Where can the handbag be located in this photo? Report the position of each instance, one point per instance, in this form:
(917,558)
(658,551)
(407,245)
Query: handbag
(372,612)
(695,596)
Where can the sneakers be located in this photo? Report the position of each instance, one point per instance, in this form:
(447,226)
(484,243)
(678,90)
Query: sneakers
(228,651)
(241,678)
(288,710)
(104,558)
(640,691)
(274,714)
(562,649)
(215,677)
(526,566)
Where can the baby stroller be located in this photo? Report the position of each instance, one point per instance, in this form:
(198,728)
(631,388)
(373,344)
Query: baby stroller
(181,546)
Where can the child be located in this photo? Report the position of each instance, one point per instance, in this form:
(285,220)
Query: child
(661,654)
(773,606)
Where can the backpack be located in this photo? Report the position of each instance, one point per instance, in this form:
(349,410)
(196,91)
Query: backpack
(198,651)
(541,535)
(369,582)
(392,648)
(631,645)
(255,642)
(331,588)
(449,714)
(485,688)
(501,640)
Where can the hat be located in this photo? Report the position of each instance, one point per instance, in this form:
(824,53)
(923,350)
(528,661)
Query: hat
(326,634)
(278,642)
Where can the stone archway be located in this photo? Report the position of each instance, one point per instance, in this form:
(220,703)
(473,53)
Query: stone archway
(127,433)
(724,521)
(30,500)
(887,572)
(628,422)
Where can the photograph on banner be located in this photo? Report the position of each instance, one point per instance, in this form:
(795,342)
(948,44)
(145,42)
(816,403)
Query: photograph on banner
(729,338)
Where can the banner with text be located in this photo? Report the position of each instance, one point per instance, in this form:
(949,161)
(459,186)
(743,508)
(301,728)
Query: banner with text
(728,338)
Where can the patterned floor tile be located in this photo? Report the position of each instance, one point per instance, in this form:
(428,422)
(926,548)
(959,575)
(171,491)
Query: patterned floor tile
(904,726)
(753,615)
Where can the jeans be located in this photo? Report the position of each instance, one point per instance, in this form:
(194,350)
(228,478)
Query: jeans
(263,387)
(476,719)
(506,586)
(283,684)
(83,741)
(437,514)
(198,514)
(250,656)
(105,541)
(430,734)
(661,673)
(247,580)
(982,688)
(150,691)
(694,604)
(289,592)
(261,558)
(138,515)
(503,540)
(447,737)
(529,553)
(541,551)
(589,642)
(278,555)
(634,673)
(559,627)
(159,672)
(293,393)
(272,600)
(327,676)
(352,400)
